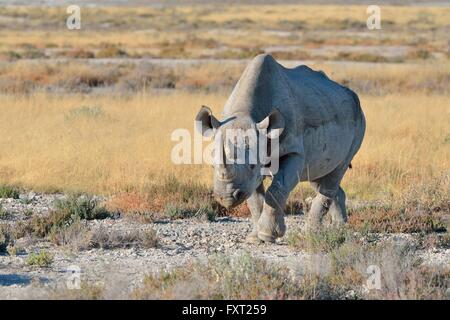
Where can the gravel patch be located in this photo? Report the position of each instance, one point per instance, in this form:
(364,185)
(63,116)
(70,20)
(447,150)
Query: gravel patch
(179,242)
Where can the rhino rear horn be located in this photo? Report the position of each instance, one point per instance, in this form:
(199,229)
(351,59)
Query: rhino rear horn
(274,124)
(205,122)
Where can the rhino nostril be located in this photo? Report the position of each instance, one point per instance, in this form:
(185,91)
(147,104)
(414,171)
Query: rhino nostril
(238,194)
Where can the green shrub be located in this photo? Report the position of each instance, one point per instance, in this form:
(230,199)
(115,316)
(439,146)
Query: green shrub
(9,192)
(42,259)
(67,211)
(82,207)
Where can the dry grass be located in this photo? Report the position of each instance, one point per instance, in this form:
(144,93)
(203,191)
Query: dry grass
(205,30)
(423,207)
(31,76)
(128,147)
(341,274)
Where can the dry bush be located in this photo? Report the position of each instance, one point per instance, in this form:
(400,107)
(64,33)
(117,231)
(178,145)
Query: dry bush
(78,54)
(100,238)
(345,258)
(148,76)
(80,236)
(68,214)
(132,204)
(423,207)
(291,55)
(87,291)
(339,275)
(383,79)
(6,237)
(111,52)
(240,277)
(323,240)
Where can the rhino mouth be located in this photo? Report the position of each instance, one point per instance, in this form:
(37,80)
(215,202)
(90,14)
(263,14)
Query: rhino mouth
(232,201)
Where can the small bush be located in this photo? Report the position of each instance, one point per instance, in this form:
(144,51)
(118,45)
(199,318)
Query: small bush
(42,259)
(322,240)
(182,200)
(4,214)
(132,205)
(10,55)
(5,238)
(356,56)
(9,192)
(79,54)
(82,207)
(67,212)
(222,277)
(422,54)
(33,54)
(244,53)
(101,238)
(14,250)
(87,291)
(292,55)
(391,220)
(424,207)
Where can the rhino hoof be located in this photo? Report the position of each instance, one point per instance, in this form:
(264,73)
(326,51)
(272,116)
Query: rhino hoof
(266,237)
(252,238)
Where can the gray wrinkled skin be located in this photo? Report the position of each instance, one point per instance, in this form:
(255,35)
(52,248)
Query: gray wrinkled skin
(322,129)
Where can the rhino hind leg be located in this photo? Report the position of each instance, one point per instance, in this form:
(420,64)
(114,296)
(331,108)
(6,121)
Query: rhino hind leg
(319,207)
(330,198)
(337,209)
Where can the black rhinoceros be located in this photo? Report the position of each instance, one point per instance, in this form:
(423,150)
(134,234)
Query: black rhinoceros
(320,128)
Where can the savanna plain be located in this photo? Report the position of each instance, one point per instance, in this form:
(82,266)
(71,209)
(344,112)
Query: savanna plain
(88,187)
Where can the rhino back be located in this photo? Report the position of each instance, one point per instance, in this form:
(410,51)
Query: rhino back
(322,117)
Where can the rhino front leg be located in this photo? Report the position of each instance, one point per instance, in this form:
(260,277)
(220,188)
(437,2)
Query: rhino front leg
(271,222)
(255,204)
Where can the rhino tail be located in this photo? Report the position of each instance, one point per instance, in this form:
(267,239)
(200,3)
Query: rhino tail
(350,166)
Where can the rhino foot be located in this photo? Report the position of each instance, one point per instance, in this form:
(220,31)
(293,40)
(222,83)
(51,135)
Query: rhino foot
(252,238)
(271,226)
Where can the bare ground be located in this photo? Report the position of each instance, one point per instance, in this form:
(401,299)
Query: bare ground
(180,242)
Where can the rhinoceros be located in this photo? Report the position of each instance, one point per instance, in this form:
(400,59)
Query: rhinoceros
(320,127)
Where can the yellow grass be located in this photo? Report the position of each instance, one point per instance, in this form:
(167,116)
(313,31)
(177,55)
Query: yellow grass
(46,147)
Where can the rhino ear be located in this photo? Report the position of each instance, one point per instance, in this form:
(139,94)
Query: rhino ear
(274,124)
(205,122)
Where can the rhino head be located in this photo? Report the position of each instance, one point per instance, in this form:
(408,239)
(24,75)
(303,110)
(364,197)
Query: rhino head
(237,164)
